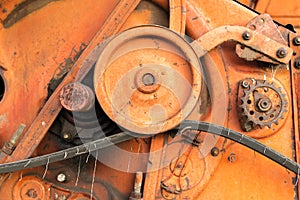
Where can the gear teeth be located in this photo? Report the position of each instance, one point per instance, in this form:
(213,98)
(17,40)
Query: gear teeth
(254,84)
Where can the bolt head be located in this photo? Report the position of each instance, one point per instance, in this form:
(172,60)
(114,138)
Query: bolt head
(232,157)
(245,84)
(66,136)
(297,63)
(264,104)
(281,53)
(148,79)
(215,151)
(61,177)
(246,35)
(296,41)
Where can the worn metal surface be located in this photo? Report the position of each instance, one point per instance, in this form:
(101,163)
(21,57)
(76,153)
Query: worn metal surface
(51,109)
(265,25)
(287,13)
(168,96)
(258,42)
(261,104)
(35,53)
(77,97)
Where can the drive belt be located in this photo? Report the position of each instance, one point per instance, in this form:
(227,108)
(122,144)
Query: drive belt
(121,137)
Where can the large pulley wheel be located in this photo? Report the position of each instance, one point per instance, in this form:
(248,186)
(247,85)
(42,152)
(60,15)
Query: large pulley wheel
(148,79)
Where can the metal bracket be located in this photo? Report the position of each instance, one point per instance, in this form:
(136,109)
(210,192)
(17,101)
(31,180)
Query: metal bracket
(256,41)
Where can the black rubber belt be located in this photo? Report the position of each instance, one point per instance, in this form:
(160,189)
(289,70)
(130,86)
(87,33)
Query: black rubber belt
(65,154)
(121,137)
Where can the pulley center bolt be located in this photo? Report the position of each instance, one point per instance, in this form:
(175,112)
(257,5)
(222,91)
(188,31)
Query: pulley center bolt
(148,79)
(264,104)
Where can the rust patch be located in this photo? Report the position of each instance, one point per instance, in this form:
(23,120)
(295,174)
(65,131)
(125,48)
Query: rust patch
(65,67)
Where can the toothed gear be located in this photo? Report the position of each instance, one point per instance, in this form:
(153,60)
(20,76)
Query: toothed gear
(263,104)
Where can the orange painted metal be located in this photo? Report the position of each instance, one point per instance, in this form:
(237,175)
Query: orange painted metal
(51,109)
(289,13)
(235,161)
(177,12)
(41,45)
(154,72)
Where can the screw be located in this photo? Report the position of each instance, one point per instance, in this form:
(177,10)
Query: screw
(61,177)
(296,41)
(281,53)
(232,157)
(246,35)
(245,84)
(297,63)
(214,151)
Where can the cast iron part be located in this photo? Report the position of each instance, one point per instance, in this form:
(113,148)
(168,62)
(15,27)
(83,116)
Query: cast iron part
(77,97)
(262,104)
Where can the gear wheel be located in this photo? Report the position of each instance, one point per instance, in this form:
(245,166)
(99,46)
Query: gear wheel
(263,104)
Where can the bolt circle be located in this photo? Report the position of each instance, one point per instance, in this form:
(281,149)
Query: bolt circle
(281,53)
(246,35)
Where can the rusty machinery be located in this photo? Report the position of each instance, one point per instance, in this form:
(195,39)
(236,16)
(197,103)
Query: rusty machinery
(130,99)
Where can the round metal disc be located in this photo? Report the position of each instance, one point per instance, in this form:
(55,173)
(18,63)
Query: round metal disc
(148,79)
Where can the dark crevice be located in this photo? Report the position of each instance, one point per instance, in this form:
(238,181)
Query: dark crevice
(2,87)
(22,10)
